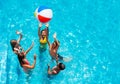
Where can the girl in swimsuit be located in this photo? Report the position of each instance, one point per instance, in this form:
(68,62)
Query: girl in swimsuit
(18,50)
(43,35)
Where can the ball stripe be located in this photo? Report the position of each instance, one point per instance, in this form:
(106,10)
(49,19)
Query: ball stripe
(43,19)
(42,8)
(46,13)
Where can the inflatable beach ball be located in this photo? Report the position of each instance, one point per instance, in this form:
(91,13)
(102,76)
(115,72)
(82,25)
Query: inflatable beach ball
(43,14)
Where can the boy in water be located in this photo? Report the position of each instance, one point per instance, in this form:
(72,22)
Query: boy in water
(55,70)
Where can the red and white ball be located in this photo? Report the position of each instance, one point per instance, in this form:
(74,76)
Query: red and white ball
(43,14)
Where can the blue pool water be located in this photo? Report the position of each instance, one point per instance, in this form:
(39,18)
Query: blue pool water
(88,30)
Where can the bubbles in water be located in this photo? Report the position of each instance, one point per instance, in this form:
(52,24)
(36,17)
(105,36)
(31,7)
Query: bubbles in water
(75,79)
(94,68)
(85,68)
(86,75)
(73,66)
(78,75)
(71,34)
(94,54)
(71,73)
(12,25)
(71,41)
(21,25)
(87,41)
(0,73)
(27,19)
(103,67)
(10,77)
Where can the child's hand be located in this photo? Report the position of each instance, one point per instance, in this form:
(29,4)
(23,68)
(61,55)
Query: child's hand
(47,24)
(54,35)
(17,32)
(40,25)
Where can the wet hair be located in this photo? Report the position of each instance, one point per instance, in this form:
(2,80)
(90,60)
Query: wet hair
(42,31)
(61,66)
(13,43)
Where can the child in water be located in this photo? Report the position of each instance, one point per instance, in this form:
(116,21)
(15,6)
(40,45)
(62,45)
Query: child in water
(18,50)
(55,70)
(53,50)
(43,36)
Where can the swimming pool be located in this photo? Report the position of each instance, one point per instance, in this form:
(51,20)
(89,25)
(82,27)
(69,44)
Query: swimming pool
(88,30)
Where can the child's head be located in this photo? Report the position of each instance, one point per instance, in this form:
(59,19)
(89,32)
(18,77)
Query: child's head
(61,66)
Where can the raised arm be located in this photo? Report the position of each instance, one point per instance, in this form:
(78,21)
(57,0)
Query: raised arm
(48,43)
(55,39)
(30,66)
(29,48)
(18,41)
(47,28)
(39,33)
(54,36)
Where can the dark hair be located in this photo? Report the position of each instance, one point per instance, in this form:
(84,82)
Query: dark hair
(42,31)
(13,43)
(61,66)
